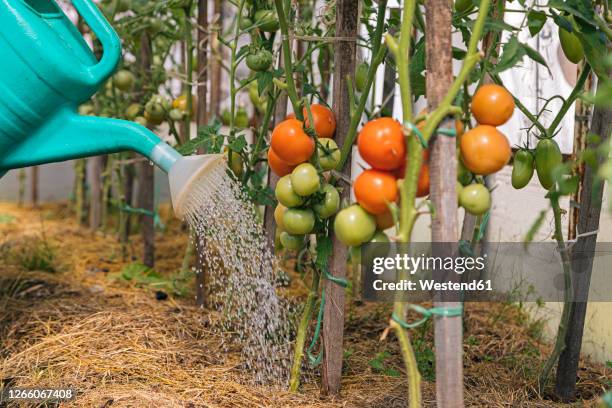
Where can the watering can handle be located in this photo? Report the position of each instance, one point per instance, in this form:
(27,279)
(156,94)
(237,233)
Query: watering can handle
(107,36)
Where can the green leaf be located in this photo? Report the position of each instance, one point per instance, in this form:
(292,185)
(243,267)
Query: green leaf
(594,45)
(535,55)
(237,144)
(512,54)
(498,25)
(535,21)
(562,21)
(582,9)
(208,137)
(264,79)
(535,227)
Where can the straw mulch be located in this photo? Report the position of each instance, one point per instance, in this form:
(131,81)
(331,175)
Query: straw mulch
(118,346)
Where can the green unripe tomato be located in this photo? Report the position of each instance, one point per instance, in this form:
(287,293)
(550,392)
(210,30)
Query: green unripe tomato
(570,44)
(235,163)
(361,76)
(242,118)
(133,110)
(522,169)
(547,157)
(259,60)
(463,6)
(475,198)
(154,112)
(285,194)
(290,241)
(298,221)
(354,225)
(259,101)
(278,245)
(380,249)
(279,211)
(245,23)
(267,20)
(176,114)
(459,189)
(124,80)
(305,179)
(141,120)
(329,154)
(330,203)
(225,117)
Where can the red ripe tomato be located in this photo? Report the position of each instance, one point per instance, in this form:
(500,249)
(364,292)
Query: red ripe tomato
(423,184)
(279,167)
(384,221)
(324,120)
(290,143)
(382,144)
(374,189)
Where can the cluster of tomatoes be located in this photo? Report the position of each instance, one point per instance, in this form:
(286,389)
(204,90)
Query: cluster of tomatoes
(303,163)
(484,149)
(382,145)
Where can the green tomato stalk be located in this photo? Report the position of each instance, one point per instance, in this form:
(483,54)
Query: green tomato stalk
(554,196)
(408,210)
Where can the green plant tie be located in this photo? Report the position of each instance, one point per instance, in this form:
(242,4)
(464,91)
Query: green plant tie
(316,360)
(419,135)
(607,399)
(338,281)
(427,313)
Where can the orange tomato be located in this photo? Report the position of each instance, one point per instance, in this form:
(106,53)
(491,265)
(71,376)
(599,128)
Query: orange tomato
(485,150)
(324,120)
(423,183)
(374,189)
(382,144)
(290,143)
(492,105)
(384,221)
(279,167)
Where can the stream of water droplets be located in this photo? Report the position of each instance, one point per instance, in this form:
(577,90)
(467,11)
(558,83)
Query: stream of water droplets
(241,274)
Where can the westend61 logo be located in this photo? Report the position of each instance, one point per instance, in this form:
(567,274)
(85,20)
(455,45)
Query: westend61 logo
(497,271)
(412,264)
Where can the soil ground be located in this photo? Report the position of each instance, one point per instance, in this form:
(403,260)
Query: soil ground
(68,319)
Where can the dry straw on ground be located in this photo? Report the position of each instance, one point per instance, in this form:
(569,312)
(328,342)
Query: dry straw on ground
(118,346)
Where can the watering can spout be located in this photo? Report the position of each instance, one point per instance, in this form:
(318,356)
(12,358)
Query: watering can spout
(70,136)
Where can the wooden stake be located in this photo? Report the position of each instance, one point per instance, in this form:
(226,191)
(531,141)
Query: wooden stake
(202,119)
(146,176)
(443,167)
(347,21)
(215,63)
(34,186)
(591,195)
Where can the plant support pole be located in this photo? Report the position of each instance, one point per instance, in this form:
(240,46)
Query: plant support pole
(347,21)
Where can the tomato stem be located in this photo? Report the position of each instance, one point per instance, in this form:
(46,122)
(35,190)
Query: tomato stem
(287,62)
(300,340)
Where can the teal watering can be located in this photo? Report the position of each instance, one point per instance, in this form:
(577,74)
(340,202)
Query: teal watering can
(46,71)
